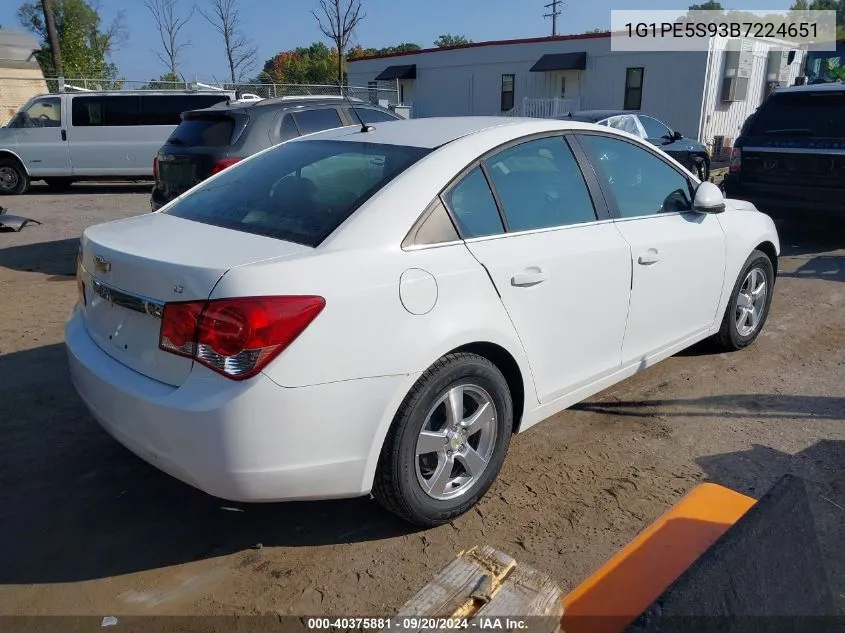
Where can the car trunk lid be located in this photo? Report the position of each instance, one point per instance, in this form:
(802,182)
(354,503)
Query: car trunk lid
(133,267)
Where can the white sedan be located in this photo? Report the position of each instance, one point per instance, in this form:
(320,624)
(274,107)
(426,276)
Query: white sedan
(380,310)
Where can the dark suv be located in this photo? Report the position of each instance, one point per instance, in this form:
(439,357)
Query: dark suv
(209,140)
(790,154)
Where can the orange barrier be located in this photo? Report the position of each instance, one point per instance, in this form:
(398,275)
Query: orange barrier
(625,586)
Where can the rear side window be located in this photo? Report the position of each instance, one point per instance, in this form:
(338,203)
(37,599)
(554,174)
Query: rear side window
(299,192)
(167,109)
(309,121)
(540,185)
(105,111)
(371,115)
(473,206)
(203,131)
(288,129)
(797,114)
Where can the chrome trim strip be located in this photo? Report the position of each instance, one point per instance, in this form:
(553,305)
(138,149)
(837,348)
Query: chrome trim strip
(795,150)
(122,298)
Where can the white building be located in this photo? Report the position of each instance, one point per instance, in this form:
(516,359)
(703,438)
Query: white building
(702,94)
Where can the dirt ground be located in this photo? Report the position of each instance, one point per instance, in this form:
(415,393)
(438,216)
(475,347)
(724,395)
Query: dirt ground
(87,528)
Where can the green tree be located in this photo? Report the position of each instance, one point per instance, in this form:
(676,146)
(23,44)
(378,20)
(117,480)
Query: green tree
(315,64)
(167,81)
(448,39)
(707,6)
(84,43)
(358,51)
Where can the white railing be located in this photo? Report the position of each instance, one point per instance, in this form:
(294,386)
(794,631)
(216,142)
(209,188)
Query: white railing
(545,108)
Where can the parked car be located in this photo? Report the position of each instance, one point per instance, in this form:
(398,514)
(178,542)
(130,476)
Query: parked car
(66,137)
(790,154)
(358,311)
(690,153)
(210,140)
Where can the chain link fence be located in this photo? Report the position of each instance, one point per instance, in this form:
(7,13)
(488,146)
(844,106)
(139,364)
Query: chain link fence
(383,92)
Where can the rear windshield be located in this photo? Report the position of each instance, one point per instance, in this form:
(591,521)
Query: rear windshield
(206,131)
(299,191)
(801,114)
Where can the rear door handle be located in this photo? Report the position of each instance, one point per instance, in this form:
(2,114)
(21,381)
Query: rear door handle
(529,277)
(651,256)
(64,135)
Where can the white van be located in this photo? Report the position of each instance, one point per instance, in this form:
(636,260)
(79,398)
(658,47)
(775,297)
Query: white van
(65,137)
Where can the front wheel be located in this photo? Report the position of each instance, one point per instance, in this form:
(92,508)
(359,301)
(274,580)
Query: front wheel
(13,177)
(749,304)
(447,442)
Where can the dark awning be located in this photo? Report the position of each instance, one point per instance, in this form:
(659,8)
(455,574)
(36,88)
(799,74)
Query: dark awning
(398,72)
(560,61)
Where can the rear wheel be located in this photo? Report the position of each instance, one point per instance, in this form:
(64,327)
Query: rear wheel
(13,177)
(749,304)
(447,442)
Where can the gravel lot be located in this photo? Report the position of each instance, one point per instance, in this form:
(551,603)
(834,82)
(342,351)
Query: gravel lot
(87,528)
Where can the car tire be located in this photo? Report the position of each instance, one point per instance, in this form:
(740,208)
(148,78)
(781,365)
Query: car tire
(13,177)
(417,486)
(58,183)
(740,327)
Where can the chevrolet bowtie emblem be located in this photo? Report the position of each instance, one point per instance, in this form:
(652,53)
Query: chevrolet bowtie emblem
(102,264)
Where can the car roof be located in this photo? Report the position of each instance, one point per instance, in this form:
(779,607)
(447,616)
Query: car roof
(432,132)
(594,115)
(823,87)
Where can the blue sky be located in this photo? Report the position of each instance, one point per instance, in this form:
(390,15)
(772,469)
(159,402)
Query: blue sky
(275,25)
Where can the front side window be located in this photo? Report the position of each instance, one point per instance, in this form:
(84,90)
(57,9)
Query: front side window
(473,206)
(309,121)
(634,88)
(654,129)
(641,183)
(540,185)
(300,191)
(46,112)
(508,82)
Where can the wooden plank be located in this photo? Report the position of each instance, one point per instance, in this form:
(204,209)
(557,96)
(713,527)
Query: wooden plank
(485,583)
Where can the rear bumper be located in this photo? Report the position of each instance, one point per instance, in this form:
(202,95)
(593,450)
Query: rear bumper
(243,441)
(790,198)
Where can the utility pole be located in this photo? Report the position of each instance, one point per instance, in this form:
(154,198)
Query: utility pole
(554,4)
(53,36)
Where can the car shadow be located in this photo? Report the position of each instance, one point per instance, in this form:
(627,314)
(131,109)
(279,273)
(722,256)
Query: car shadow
(77,506)
(56,258)
(757,405)
(92,188)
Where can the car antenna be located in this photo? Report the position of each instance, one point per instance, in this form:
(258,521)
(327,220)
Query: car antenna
(364,126)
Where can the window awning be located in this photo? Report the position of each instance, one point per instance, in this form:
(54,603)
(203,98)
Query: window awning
(398,72)
(560,61)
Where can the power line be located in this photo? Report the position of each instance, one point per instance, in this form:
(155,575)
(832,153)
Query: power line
(554,4)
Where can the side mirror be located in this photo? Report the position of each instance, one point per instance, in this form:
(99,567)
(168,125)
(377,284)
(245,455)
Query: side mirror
(708,199)
(677,136)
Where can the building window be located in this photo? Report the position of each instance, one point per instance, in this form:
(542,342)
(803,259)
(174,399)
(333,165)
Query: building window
(634,89)
(563,87)
(507,92)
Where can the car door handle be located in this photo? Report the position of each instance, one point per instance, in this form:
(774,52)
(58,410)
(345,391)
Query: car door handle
(651,256)
(64,135)
(529,277)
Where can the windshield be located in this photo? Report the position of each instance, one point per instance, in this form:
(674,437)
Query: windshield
(44,112)
(825,66)
(814,114)
(299,191)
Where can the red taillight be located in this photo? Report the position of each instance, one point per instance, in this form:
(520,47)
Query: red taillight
(155,168)
(735,164)
(223,163)
(236,337)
